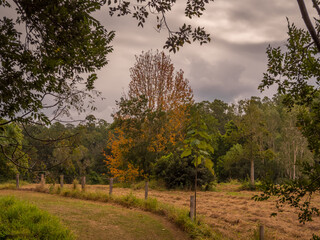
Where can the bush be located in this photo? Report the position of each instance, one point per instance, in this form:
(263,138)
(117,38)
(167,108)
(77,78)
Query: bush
(75,184)
(180,173)
(246,185)
(21,220)
(7,186)
(211,186)
(94,178)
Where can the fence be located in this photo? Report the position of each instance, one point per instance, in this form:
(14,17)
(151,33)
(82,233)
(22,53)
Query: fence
(146,188)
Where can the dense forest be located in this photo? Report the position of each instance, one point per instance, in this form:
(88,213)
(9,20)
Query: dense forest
(154,125)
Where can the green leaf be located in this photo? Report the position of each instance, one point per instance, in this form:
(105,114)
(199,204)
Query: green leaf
(195,142)
(210,148)
(197,161)
(204,153)
(203,145)
(186,153)
(191,132)
(204,135)
(209,165)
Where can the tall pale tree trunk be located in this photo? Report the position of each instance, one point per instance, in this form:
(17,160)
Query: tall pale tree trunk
(295,152)
(251,164)
(252,171)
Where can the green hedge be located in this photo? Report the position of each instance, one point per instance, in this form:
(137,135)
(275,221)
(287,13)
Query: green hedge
(21,220)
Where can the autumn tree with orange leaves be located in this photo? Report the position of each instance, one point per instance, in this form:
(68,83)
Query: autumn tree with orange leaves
(153,76)
(168,96)
(153,114)
(119,168)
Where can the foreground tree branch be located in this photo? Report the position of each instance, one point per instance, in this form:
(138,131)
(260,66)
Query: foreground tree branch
(308,22)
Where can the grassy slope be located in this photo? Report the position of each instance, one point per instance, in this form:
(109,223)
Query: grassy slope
(93,220)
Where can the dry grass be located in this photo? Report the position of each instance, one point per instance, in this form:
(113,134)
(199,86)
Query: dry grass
(232,212)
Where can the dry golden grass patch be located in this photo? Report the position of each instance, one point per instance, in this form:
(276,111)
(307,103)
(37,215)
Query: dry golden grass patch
(232,212)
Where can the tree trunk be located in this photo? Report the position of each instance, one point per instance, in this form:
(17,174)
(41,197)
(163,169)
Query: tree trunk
(251,164)
(252,171)
(195,194)
(295,152)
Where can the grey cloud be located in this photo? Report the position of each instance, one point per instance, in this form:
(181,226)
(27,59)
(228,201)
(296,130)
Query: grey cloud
(221,80)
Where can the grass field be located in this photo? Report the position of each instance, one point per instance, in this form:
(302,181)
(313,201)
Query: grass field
(94,220)
(232,212)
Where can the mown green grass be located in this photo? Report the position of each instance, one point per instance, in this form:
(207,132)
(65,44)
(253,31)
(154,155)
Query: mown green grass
(96,220)
(197,230)
(21,220)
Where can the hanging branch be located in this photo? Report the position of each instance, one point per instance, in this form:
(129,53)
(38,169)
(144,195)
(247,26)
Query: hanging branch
(316,6)
(307,21)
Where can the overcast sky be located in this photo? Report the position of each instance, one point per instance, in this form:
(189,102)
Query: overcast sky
(229,68)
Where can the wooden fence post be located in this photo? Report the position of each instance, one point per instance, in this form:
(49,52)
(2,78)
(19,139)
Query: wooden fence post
(192,207)
(17,181)
(43,180)
(146,190)
(83,183)
(110,186)
(261,232)
(61,181)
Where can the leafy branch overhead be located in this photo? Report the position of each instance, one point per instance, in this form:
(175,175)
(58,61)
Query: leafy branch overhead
(295,70)
(141,10)
(43,70)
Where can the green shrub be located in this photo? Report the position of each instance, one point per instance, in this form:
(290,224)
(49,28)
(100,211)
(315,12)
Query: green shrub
(211,186)
(75,184)
(21,220)
(94,178)
(178,173)
(11,184)
(246,185)
(52,188)
(7,186)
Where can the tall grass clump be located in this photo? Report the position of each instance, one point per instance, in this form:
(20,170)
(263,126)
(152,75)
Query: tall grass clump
(11,184)
(246,185)
(75,184)
(21,220)
(7,186)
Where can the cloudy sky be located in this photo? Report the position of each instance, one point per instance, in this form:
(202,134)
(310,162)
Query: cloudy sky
(229,68)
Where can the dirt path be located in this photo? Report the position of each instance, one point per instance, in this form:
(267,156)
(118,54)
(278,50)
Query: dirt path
(94,220)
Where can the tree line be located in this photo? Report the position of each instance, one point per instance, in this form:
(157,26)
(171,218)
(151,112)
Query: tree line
(160,133)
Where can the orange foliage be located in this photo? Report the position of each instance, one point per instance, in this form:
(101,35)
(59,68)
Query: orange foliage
(156,126)
(153,76)
(118,167)
(171,132)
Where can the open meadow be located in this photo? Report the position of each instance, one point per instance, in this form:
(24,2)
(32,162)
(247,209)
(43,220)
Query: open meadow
(230,211)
